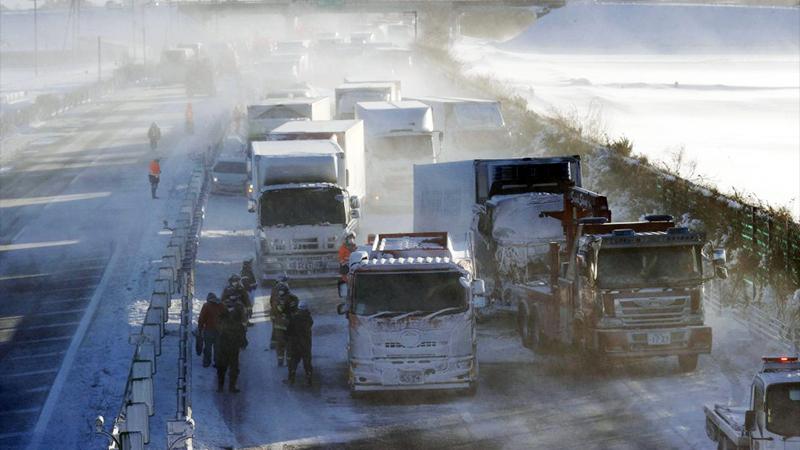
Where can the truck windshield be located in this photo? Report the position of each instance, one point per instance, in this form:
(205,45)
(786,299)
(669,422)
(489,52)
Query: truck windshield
(312,206)
(417,147)
(647,266)
(230,167)
(425,292)
(783,409)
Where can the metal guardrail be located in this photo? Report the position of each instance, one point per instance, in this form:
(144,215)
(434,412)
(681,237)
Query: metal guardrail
(758,320)
(131,428)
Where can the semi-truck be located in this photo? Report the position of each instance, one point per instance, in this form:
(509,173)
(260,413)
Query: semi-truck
(411,319)
(351,93)
(398,135)
(771,419)
(544,243)
(305,204)
(472,128)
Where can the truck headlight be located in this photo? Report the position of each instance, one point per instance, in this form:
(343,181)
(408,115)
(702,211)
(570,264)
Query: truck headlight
(465,364)
(216,180)
(278,244)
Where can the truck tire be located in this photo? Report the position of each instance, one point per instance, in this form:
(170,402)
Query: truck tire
(725,444)
(687,363)
(472,389)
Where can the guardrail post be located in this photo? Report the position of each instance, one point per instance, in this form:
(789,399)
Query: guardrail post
(142,392)
(131,440)
(160,301)
(137,420)
(145,351)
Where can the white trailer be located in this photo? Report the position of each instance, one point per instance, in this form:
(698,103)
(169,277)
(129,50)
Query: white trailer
(349,134)
(472,128)
(303,207)
(263,117)
(398,135)
(351,93)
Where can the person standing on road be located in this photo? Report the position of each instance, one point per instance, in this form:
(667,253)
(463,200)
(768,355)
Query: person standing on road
(207,324)
(154,176)
(287,304)
(230,340)
(248,277)
(299,333)
(348,247)
(235,292)
(274,298)
(154,134)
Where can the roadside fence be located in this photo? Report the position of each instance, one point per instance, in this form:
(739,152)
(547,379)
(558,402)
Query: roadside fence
(131,428)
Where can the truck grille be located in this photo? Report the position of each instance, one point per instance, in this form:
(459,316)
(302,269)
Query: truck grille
(305,244)
(653,311)
(422,344)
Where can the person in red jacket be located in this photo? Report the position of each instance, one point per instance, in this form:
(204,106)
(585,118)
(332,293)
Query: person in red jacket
(207,325)
(348,247)
(154,176)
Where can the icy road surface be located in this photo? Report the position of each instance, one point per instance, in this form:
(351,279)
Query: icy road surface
(523,401)
(78,234)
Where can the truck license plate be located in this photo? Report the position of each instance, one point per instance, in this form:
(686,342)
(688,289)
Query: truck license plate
(659,339)
(411,377)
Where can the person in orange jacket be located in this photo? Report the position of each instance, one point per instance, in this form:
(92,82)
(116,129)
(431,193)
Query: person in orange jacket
(348,247)
(155,176)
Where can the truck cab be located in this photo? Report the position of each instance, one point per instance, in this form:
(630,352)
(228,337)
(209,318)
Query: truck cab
(303,207)
(772,418)
(411,318)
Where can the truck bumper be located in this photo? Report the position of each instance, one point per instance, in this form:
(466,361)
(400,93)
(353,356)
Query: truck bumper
(623,343)
(302,266)
(455,373)
(223,188)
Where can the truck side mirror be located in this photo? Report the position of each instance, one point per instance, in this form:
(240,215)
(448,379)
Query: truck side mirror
(342,287)
(355,214)
(355,202)
(721,272)
(719,258)
(749,420)
(341,308)
(251,206)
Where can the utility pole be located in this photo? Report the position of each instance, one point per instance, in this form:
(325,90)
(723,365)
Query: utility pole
(99,61)
(35,40)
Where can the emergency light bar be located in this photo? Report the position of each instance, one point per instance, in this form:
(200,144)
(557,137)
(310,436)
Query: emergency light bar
(780,363)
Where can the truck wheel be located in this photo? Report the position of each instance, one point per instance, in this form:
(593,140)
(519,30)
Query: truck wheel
(687,363)
(725,444)
(472,389)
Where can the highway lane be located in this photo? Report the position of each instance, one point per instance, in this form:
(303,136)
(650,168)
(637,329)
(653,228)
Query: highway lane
(72,197)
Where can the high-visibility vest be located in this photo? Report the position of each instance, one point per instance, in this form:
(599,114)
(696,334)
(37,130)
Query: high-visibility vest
(155,168)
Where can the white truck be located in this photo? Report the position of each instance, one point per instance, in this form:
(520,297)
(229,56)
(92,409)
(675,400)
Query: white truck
(349,134)
(772,418)
(268,114)
(351,93)
(398,135)
(305,205)
(409,305)
(472,128)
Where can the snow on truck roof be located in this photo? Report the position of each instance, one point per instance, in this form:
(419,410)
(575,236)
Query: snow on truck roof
(289,100)
(357,85)
(389,117)
(455,100)
(315,126)
(286,148)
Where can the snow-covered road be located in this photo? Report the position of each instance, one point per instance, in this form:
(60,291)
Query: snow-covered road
(78,234)
(524,400)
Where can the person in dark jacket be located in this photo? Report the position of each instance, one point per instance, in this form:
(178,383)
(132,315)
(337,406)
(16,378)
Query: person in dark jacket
(231,338)
(235,292)
(248,276)
(286,305)
(281,284)
(207,325)
(299,334)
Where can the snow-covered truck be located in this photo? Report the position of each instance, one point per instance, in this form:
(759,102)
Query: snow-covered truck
(349,94)
(543,242)
(772,418)
(305,205)
(398,135)
(409,305)
(268,114)
(471,127)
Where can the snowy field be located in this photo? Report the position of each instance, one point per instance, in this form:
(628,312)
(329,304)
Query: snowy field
(723,83)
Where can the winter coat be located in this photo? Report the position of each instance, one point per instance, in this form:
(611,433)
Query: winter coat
(247,272)
(209,316)
(154,133)
(299,332)
(237,294)
(155,168)
(231,336)
(287,305)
